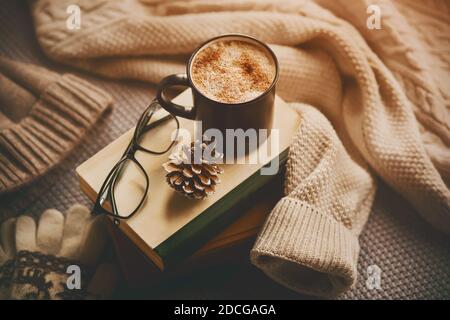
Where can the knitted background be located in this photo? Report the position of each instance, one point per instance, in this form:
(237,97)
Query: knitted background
(413,258)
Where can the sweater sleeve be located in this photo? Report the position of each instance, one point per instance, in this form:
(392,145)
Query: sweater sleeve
(309,242)
(45,115)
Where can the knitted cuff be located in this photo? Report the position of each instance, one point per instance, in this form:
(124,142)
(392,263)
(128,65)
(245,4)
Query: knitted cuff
(306,251)
(56,123)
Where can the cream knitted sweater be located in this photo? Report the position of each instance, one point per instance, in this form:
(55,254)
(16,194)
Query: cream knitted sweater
(388,110)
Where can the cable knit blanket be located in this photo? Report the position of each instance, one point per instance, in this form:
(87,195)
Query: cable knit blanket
(385,91)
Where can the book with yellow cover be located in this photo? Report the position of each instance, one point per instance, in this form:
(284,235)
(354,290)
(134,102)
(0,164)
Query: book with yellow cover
(230,245)
(169,227)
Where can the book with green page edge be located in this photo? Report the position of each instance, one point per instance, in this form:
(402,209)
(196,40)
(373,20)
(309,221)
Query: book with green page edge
(169,227)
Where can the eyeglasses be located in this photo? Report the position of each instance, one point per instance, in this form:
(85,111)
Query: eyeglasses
(125,188)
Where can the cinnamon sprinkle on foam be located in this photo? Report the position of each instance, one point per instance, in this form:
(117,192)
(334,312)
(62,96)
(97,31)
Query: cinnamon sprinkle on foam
(233,71)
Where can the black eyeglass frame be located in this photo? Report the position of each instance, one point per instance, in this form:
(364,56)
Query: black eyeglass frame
(109,184)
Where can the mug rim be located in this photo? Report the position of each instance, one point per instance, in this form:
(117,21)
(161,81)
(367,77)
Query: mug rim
(262,95)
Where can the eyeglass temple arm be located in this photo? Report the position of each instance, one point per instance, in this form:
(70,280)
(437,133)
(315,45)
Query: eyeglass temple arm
(130,144)
(110,189)
(157,122)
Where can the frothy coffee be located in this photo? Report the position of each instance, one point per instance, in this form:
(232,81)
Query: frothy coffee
(233,71)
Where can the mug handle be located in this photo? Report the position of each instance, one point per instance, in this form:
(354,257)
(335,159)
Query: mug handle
(173,108)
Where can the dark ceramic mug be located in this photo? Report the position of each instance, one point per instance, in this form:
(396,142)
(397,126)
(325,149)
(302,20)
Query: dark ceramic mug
(257,113)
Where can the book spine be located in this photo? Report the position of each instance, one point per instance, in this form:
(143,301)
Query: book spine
(205,226)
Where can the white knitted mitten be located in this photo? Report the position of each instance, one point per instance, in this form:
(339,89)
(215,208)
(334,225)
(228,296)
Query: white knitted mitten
(50,256)
(309,242)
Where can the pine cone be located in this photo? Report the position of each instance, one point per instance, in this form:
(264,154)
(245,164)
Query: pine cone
(194,179)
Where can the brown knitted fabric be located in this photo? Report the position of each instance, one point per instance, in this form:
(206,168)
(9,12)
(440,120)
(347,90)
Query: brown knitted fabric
(43,115)
(324,62)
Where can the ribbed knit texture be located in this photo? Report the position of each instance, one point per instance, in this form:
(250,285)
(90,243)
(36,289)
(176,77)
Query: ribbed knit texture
(381,118)
(316,226)
(42,117)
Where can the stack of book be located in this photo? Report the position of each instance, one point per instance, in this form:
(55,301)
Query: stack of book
(170,229)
